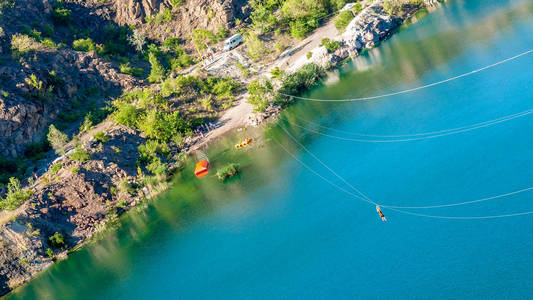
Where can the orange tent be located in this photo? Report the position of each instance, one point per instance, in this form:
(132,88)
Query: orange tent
(201,168)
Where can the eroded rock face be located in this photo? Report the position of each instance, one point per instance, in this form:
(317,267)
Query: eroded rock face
(67,78)
(190,15)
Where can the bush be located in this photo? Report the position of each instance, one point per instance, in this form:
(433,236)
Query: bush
(57,241)
(84,45)
(101,137)
(261,94)
(127,69)
(162,126)
(22,44)
(80,154)
(330,45)
(228,171)
(126,114)
(62,16)
(163,16)
(15,195)
(157,72)
(392,7)
(55,168)
(343,19)
(57,139)
(309,55)
(300,81)
(256,47)
(137,39)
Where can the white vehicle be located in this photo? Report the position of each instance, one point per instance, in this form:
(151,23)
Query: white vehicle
(348,6)
(232,42)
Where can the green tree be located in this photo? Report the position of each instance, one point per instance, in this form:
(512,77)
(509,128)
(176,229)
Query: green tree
(157,73)
(57,139)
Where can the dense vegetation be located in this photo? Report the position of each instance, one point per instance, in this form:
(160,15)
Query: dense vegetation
(228,171)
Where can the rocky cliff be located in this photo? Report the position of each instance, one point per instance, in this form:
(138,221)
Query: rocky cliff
(44,82)
(187,16)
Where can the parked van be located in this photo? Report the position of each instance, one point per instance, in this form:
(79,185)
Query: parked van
(232,42)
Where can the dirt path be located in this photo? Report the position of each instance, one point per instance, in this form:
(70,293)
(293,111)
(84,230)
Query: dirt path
(296,56)
(294,59)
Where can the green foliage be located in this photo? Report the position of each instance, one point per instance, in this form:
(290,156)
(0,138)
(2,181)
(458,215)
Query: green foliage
(57,241)
(87,123)
(330,45)
(176,55)
(126,114)
(343,19)
(84,45)
(15,196)
(36,151)
(62,16)
(101,137)
(256,47)
(162,126)
(57,139)
(74,170)
(80,154)
(277,73)
(137,39)
(304,15)
(261,94)
(55,168)
(228,171)
(300,81)
(162,17)
(243,69)
(200,37)
(49,43)
(157,72)
(22,44)
(393,7)
(176,3)
(48,30)
(50,253)
(127,69)
(309,55)
(149,150)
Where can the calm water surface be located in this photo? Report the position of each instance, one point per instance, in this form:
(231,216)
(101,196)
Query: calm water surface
(279,231)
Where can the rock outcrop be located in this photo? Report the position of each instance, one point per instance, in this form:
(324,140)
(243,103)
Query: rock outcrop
(188,16)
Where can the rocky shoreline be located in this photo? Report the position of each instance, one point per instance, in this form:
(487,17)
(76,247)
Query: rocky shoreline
(77,201)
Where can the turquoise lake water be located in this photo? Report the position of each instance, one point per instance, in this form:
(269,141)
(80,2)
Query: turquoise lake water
(279,231)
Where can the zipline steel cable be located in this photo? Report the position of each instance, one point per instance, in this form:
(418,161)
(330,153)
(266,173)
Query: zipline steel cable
(491,122)
(412,89)
(365,198)
(419,138)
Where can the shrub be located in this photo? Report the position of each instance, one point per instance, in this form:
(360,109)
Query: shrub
(277,73)
(162,126)
(309,55)
(22,44)
(74,170)
(49,43)
(176,3)
(157,72)
(62,16)
(343,19)
(330,45)
(87,123)
(392,7)
(50,253)
(101,137)
(55,168)
(48,30)
(126,114)
(127,69)
(301,80)
(80,154)
(84,45)
(15,195)
(261,94)
(163,16)
(57,241)
(228,171)
(57,139)
(137,39)
(256,47)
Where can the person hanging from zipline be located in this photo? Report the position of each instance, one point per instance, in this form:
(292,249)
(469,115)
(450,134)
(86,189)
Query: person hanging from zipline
(382,216)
